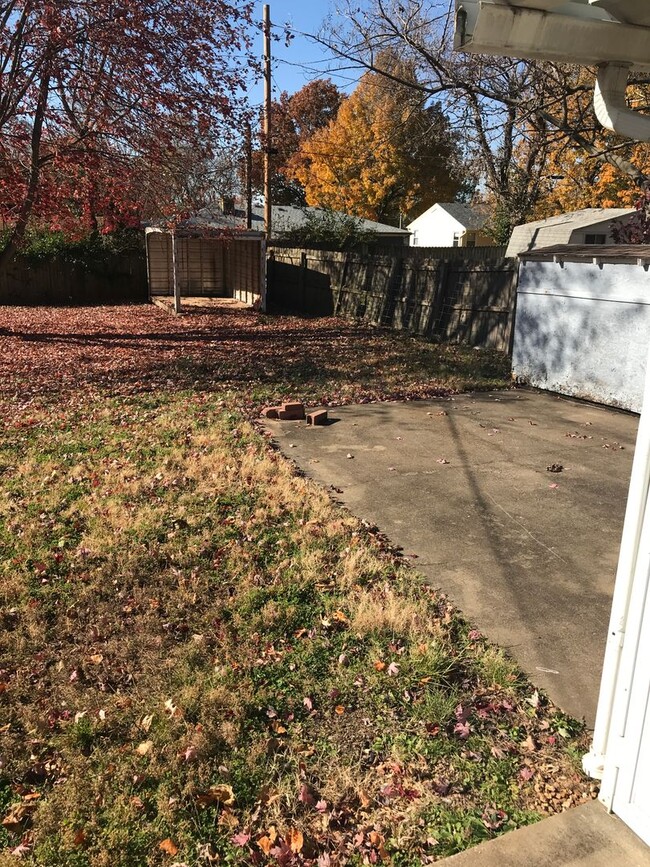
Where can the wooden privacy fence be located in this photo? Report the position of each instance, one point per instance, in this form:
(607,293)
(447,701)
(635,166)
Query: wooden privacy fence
(117,278)
(463,300)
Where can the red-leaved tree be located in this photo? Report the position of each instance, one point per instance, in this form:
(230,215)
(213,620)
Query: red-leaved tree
(98,98)
(634,229)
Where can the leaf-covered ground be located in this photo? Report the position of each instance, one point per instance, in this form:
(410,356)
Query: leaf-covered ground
(203,660)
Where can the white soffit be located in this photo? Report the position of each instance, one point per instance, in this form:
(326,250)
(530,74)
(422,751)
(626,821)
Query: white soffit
(628,11)
(583,33)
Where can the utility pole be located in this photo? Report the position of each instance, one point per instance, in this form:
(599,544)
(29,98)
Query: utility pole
(249,176)
(267,121)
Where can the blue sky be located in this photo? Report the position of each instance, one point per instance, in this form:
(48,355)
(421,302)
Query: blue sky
(302,60)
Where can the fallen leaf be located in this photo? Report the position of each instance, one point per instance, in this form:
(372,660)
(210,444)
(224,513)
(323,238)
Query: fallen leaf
(168,846)
(393,669)
(295,840)
(533,701)
(189,754)
(365,799)
(221,794)
(267,840)
(305,796)
(494,819)
(339,709)
(240,839)
(379,665)
(529,744)
(144,748)
(172,710)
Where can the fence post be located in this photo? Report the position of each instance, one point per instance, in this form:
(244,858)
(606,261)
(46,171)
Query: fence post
(302,279)
(270,278)
(513,308)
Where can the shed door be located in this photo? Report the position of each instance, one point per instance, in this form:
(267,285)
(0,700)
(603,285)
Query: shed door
(628,760)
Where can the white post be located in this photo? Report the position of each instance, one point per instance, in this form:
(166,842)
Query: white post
(175,281)
(594,761)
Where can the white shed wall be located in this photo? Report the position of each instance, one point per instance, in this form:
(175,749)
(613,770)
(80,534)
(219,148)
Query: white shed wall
(583,330)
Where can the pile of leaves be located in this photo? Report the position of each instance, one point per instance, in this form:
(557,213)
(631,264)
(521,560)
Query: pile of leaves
(203,660)
(251,358)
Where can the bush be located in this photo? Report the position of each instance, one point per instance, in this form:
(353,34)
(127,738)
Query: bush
(89,252)
(330,230)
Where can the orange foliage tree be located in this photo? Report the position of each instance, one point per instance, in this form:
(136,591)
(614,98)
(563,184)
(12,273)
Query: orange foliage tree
(385,155)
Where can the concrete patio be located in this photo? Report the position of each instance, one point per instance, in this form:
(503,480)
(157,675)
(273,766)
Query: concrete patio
(464,486)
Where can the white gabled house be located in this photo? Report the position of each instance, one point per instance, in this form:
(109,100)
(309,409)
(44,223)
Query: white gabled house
(449,224)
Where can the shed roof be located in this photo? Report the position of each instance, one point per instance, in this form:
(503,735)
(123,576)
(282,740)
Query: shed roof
(559,228)
(578,219)
(589,252)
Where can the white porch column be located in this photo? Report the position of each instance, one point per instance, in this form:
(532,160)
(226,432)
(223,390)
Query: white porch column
(637,504)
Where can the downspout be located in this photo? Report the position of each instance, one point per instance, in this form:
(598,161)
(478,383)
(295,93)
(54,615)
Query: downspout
(611,107)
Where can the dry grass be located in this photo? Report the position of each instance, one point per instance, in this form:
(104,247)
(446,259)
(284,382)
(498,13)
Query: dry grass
(183,617)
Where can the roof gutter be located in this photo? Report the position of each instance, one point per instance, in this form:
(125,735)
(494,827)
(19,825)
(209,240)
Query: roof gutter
(611,107)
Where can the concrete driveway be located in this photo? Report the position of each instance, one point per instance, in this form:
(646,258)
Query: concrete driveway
(527,554)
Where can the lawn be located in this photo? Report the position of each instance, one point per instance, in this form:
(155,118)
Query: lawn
(203,659)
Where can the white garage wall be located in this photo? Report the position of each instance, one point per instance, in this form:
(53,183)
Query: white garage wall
(583,329)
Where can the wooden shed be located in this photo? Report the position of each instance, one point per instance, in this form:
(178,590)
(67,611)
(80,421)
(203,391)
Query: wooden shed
(200,258)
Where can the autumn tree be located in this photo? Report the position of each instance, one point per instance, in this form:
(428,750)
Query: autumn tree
(296,117)
(509,113)
(386,155)
(92,91)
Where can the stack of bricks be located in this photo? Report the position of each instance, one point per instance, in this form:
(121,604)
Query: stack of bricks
(295,412)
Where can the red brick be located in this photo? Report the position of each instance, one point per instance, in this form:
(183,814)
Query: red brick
(318,416)
(291,412)
(270,412)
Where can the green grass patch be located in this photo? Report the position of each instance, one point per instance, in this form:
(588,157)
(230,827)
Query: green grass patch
(204,660)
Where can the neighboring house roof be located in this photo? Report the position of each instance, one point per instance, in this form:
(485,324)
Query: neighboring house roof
(469,218)
(558,229)
(284,217)
(463,214)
